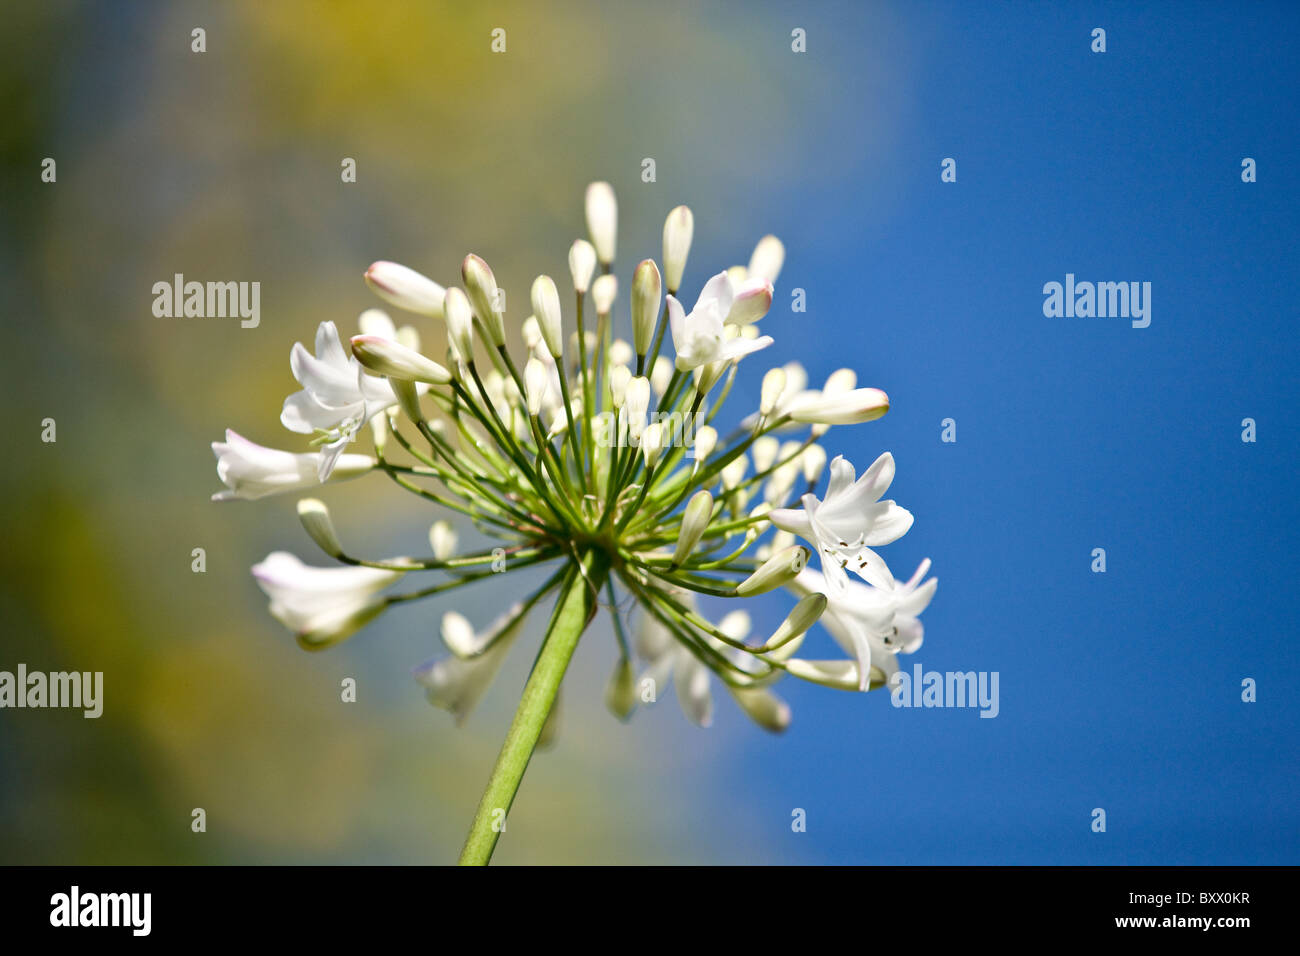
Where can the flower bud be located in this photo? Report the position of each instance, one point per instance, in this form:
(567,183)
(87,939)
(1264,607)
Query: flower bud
(620,692)
(679,229)
(847,408)
(620,353)
(750,303)
(695,520)
(796,623)
(460,324)
(602,220)
(603,292)
(408,399)
(386,357)
(734,472)
(406,288)
(619,378)
(442,538)
(458,634)
(652,443)
(796,378)
(637,403)
(736,625)
(763,707)
(376,322)
(661,374)
(546,307)
(768,257)
(588,342)
(647,293)
(778,570)
(531,332)
(773,386)
(537,380)
(813,460)
(481,286)
(315,518)
(582,264)
(840,381)
(764,450)
(706,439)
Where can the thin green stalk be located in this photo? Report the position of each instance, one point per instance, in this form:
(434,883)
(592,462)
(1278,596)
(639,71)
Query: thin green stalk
(574,609)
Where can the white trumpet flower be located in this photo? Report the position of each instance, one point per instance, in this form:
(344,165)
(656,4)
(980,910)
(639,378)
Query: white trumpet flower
(845,525)
(322,605)
(250,471)
(698,337)
(872,624)
(458,683)
(337,396)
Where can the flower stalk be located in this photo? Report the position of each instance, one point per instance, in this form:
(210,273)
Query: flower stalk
(574,609)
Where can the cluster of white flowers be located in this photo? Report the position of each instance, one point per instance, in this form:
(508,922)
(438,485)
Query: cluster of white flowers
(526,457)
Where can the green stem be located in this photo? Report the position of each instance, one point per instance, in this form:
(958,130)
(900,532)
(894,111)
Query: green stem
(573,611)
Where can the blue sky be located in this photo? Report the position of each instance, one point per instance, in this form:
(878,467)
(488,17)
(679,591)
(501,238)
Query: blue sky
(1119,690)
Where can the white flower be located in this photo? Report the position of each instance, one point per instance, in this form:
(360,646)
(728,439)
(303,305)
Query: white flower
(337,396)
(322,605)
(457,683)
(669,659)
(699,338)
(249,470)
(850,521)
(872,624)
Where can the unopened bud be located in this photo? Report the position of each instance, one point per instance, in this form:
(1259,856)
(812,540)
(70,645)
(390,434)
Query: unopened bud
(546,307)
(647,294)
(481,286)
(603,292)
(582,264)
(778,570)
(602,219)
(442,538)
(406,288)
(315,518)
(768,257)
(695,520)
(679,229)
(386,357)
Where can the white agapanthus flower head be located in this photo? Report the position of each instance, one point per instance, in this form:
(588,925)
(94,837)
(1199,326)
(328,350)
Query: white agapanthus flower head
(598,449)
